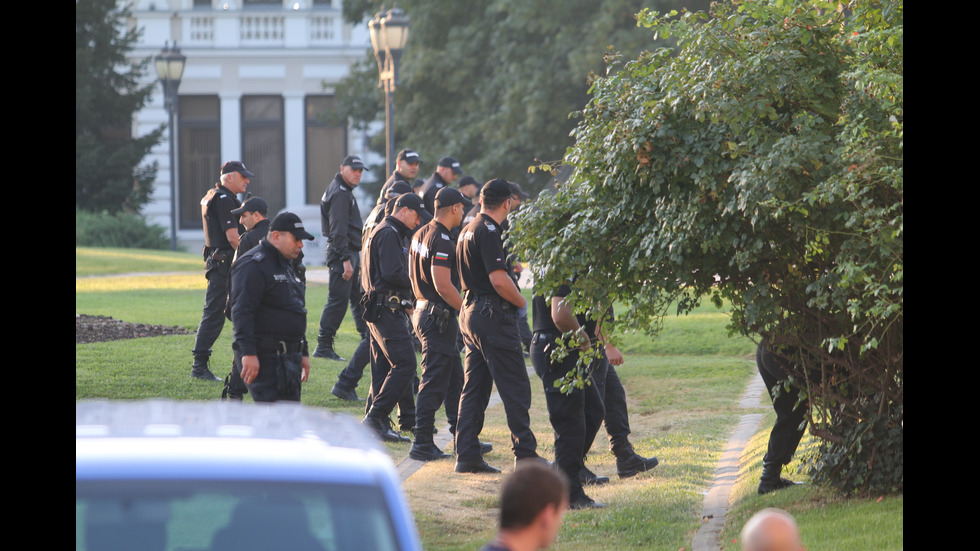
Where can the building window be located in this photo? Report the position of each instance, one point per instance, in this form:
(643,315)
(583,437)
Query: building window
(264,149)
(199,155)
(326,145)
(261,3)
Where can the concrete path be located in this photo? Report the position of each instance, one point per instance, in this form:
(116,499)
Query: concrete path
(716,500)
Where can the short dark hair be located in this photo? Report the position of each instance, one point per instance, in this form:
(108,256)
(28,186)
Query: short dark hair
(528,490)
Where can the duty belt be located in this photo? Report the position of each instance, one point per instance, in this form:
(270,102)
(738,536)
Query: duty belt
(279,346)
(434,308)
(542,336)
(469,297)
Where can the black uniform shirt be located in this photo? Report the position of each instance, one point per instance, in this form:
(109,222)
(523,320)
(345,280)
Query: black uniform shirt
(542,322)
(218,218)
(480,251)
(340,221)
(395,177)
(252,237)
(385,267)
(429,189)
(268,298)
(432,246)
(384,207)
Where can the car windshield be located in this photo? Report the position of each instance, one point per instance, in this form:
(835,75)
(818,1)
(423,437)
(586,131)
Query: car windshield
(230,515)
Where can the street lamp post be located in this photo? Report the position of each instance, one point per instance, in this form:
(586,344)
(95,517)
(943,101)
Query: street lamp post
(389,33)
(170,68)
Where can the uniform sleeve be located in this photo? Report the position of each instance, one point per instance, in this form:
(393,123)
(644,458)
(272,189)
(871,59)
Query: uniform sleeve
(444,251)
(392,265)
(339,222)
(225,204)
(248,242)
(492,251)
(247,290)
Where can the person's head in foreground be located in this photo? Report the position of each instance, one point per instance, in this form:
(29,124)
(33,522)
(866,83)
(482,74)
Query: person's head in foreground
(533,501)
(771,530)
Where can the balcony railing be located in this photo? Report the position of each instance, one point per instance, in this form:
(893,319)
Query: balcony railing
(310,29)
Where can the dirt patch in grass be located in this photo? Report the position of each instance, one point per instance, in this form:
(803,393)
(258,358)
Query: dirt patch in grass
(90,329)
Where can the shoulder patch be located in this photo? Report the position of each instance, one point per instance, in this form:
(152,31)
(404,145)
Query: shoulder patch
(491,227)
(446,237)
(259,255)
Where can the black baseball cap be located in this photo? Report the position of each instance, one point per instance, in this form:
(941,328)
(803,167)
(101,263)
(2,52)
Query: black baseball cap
(236,166)
(466,181)
(253,204)
(287,221)
(449,162)
(496,189)
(410,156)
(515,189)
(397,188)
(447,197)
(413,202)
(409,200)
(354,162)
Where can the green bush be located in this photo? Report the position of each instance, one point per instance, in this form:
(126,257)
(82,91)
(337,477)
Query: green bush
(102,229)
(759,162)
(869,454)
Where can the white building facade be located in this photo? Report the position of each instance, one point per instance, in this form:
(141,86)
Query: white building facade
(257,87)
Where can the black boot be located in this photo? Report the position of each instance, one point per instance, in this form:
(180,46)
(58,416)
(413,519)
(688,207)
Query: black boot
(585,476)
(200,370)
(424,449)
(629,463)
(582,501)
(770,480)
(382,427)
(348,395)
(324,349)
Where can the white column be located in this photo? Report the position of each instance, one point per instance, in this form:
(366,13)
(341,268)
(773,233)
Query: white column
(231,126)
(295,134)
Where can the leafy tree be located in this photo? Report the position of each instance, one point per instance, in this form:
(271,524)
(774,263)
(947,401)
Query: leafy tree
(759,162)
(108,175)
(492,82)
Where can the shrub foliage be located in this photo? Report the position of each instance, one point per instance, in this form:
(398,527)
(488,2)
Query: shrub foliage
(121,229)
(759,162)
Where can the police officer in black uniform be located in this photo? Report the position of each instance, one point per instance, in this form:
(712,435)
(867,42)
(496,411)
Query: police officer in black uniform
(340,221)
(350,376)
(388,301)
(447,170)
(407,165)
(221,236)
(576,416)
(435,284)
(606,380)
(252,215)
(268,309)
(488,322)
(786,432)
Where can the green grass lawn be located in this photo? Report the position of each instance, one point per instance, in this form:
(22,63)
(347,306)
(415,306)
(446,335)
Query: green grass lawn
(683,389)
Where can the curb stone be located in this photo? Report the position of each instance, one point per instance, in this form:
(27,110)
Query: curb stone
(717,498)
